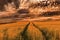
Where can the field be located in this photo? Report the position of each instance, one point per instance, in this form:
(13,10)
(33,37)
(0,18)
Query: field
(28,30)
(28,20)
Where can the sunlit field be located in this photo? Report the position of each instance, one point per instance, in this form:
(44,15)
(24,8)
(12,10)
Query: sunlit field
(28,30)
(29,20)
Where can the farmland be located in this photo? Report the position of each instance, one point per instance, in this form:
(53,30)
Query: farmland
(30,30)
(25,20)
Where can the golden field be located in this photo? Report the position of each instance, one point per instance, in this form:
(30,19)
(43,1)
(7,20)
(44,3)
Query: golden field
(28,20)
(30,30)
